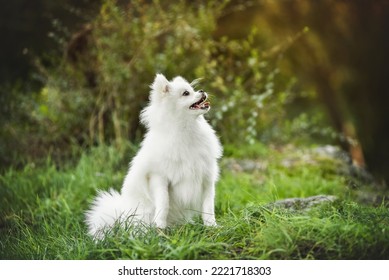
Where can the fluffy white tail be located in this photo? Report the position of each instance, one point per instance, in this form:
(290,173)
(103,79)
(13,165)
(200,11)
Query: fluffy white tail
(107,208)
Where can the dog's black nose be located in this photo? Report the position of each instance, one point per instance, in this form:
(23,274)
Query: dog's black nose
(201,91)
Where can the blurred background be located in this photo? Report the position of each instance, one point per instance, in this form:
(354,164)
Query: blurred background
(75,73)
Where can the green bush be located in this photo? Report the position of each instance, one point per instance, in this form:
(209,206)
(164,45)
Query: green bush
(95,96)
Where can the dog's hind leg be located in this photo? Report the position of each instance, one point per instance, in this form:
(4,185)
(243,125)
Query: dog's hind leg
(159,187)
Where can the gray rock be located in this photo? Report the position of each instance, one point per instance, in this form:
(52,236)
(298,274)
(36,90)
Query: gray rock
(244,165)
(302,204)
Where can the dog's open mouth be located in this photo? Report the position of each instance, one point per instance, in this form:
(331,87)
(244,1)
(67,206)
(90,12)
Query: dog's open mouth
(201,104)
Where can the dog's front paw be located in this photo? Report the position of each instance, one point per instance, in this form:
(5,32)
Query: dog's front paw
(210,223)
(160,224)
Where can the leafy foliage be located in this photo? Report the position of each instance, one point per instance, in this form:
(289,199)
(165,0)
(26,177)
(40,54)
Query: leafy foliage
(95,96)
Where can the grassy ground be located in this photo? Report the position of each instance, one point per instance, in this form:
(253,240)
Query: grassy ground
(42,212)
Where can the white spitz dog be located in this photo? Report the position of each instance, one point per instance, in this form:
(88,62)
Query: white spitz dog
(172,178)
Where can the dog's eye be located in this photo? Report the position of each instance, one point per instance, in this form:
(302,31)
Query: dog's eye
(185,93)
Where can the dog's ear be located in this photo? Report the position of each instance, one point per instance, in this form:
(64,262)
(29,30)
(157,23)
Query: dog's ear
(161,84)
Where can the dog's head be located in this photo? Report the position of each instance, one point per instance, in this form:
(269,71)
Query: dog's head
(179,95)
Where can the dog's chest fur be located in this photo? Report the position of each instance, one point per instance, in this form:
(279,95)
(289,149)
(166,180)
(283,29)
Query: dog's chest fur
(187,156)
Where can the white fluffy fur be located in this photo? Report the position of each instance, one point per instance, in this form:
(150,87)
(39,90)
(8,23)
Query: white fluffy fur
(172,178)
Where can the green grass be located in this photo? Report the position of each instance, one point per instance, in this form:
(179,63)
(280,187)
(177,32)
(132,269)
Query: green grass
(42,212)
